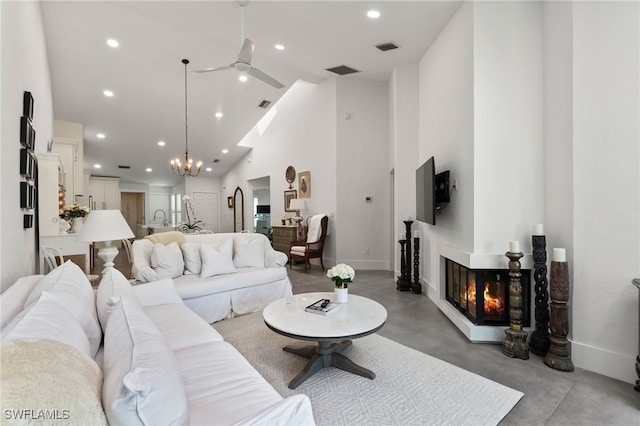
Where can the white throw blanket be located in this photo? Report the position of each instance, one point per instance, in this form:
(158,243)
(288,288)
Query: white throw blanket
(48,382)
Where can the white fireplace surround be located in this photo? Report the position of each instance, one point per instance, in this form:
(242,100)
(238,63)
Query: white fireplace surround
(475,333)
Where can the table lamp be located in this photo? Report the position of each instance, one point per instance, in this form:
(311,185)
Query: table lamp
(297,204)
(106,226)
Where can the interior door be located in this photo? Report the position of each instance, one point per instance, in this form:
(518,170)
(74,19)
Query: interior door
(132,208)
(206,209)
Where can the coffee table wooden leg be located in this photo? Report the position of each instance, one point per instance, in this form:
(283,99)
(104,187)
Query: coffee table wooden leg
(342,362)
(326,354)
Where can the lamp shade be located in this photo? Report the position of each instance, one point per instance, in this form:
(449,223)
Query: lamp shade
(297,204)
(105,225)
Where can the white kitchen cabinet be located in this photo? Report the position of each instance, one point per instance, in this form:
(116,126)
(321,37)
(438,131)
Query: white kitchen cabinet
(104,193)
(68,151)
(50,171)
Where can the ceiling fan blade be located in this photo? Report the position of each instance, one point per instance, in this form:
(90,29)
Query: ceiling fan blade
(246,52)
(226,67)
(255,72)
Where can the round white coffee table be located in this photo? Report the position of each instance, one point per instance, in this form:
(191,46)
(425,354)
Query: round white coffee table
(358,317)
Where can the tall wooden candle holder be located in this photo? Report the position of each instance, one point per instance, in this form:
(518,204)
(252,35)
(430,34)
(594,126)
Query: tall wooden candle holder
(403,284)
(540,337)
(515,343)
(559,357)
(416,287)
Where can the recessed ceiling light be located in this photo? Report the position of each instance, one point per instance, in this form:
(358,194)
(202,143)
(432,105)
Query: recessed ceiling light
(373,14)
(97,166)
(224,151)
(108,93)
(219,114)
(243,78)
(161,143)
(149,169)
(208,169)
(100,135)
(113,42)
(279,46)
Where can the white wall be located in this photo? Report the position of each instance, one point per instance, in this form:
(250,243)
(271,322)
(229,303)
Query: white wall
(553,102)
(24,68)
(301,133)
(446,130)
(362,227)
(308,129)
(403,106)
(606,153)
(508,168)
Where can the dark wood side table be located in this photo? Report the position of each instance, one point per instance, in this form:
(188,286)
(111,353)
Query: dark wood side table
(636,282)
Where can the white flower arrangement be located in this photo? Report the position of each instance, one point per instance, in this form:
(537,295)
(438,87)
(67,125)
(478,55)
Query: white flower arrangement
(341,275)
(75,210)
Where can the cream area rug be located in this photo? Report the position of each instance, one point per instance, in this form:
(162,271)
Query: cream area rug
(410,388)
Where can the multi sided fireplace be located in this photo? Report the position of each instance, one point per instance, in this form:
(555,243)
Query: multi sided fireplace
(482,295)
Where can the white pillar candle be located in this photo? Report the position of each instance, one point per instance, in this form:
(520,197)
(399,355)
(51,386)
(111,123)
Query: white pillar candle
(416,234)
(514,246)
(559,255)
(538,229)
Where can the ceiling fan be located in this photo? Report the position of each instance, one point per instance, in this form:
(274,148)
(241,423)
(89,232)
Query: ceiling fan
(243,62)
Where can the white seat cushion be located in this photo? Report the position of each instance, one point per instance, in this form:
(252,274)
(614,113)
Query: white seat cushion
(301,250)
(142,385)
(227,401)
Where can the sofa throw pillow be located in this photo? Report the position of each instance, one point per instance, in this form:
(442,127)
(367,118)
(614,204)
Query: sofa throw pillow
(192,262)
(167,260)
(112,287)
(46,374)
(47,319)
(142,384)
(147,275)
(69,286)
(12,299)
(248,253)
(217,258)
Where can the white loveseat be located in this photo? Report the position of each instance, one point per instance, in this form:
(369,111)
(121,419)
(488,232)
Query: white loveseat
(160,364)
(217,275)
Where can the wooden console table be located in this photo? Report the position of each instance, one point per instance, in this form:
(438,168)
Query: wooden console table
(282,237)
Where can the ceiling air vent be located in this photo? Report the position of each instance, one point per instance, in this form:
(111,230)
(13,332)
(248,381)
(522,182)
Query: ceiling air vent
(124,167)
(264,104)
(342,70)
(387,46)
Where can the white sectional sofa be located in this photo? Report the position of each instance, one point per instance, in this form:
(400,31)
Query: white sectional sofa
(217,275)
(160,364)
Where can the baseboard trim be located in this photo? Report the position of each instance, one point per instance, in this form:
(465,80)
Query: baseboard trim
(598,360)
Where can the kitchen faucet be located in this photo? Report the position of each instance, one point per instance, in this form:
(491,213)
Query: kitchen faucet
(165,222)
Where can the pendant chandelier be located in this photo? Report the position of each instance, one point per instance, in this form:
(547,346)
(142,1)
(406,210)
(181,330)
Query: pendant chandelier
(176,166)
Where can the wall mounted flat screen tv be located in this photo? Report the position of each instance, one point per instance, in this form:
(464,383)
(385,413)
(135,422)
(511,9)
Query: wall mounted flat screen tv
(432,192)
(425,192)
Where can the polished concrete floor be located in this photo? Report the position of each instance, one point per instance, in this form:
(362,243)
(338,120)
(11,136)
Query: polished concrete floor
(550,397)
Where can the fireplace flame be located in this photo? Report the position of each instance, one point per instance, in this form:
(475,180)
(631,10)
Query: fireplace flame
(492,305)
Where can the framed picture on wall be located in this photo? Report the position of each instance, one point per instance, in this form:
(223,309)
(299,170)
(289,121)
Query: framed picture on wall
(288,196)
(304,184)
(230,202)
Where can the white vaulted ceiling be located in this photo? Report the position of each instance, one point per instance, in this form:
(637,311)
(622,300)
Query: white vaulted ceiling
(147,77)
